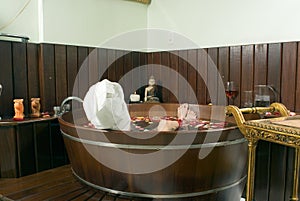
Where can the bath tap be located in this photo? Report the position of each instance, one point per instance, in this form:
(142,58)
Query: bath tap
(62,108)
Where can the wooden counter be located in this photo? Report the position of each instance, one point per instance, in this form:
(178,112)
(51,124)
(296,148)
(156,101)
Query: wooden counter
(30,146)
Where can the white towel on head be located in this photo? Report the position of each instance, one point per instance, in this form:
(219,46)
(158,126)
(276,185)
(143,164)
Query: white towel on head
(105,107)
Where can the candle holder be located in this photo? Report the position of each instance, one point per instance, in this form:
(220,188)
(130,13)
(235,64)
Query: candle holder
(19,109)
(35,107)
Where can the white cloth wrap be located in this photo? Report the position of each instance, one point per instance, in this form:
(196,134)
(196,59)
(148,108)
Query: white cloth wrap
(105,107)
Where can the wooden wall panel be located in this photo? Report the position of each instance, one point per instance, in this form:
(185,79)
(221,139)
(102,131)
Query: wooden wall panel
(71,68)
(103,65)
(112,65)
(156,72)
(174,59)
(260,67)
(277,169)
(274,67)
(47,77)
(235,70)
(128,79)
(288,79)
(288,184)
(192,76)
(93,66)
(297,102)
(8,152)
(82,70)
(247,71)
(143,73)
(133,60)
(183,82)
(20,73)
(33,70)
(212,76)
(273,64)
(6,80)
(262,174)
(165,80)
(61,83)
(26,150)
(43,147)
(119,64)
(202,77)
(150,62)
(223,65)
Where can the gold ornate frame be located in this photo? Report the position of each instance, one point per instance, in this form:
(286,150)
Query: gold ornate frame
(255,130)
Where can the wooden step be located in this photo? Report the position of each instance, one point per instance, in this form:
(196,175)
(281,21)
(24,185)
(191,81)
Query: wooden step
(57,184)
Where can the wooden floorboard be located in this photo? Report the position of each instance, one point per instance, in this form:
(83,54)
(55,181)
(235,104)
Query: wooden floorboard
(57,184)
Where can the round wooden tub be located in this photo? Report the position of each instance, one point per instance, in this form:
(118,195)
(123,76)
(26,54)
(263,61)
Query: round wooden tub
(186,165)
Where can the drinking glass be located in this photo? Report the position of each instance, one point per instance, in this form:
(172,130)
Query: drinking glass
(231,91)
(247,99)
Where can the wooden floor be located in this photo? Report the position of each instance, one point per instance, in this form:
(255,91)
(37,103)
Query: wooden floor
(57,184)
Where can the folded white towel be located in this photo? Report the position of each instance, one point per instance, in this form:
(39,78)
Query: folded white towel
(105,107)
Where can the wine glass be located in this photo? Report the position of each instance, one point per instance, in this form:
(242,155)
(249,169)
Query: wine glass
(231,91)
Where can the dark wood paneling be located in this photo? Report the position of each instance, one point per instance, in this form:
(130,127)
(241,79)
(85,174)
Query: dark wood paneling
(224,63)
(202,77)
(25,143)
(6,80)
(289,177)
(183,82)
(8,152)
(297,101)
(149,62)
(128,79)
(260,60)
(33,71)
(103,65)
(262,174)
(273,64)
(288,79)
(20,73)
(157,73)
(174,59)
(235,70)
(165,80)
(247,71)
(112,65)
(47,77)
(274,67)
(212,76)
(57,146)
(277,170)
(43,147)
(119,64)
(83,72)
(192,76)
(61,83)
(71,68)
(93,66)
(134,79)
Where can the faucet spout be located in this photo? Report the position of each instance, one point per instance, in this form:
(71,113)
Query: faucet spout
(70,98)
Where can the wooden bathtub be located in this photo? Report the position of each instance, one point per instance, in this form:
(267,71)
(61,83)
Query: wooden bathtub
(200,165)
